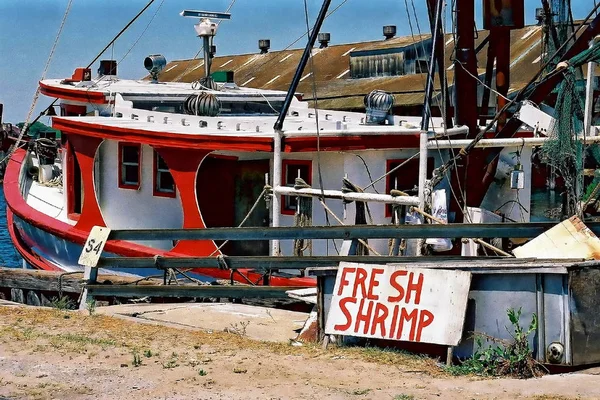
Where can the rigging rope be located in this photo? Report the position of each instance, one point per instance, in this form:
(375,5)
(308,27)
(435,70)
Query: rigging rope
(272,59)
(121,32)
(26,125)
(37,91)
(316,109)
(524,93)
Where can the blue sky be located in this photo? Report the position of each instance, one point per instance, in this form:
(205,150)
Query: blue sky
(28,29)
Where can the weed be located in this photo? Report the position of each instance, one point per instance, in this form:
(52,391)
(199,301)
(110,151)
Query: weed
(512,358)
(404,397)
(91,306)
(239,328)
(148,353)
(202,372)
(62,303)
(28,333)
(360,392)
(237,370)
(172,363)
(137,360)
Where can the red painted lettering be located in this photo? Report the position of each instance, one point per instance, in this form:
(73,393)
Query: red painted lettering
(425,319)
(394,321)
(361,277)
(394,283)
(364,317)
(343,280)
(414,287)
(408,317)
(373,283)
(381,313)
(344,309)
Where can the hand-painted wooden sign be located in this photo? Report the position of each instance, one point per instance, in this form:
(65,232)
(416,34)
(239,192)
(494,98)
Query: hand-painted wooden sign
(398,303)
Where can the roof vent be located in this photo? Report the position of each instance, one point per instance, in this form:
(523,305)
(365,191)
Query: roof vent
(264,45)
(324,38)
(389,31)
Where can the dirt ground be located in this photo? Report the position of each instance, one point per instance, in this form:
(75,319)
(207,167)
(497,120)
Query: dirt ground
(53,354)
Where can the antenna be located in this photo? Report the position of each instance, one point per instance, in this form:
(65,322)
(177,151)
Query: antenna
(204,14)
(207,30)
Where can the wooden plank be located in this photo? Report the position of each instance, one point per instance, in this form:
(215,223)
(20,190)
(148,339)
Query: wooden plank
(28,279)
(236,291)
(399,303)
(39,280)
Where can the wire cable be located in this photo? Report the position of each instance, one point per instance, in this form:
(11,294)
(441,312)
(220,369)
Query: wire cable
(36,96)
(316,108)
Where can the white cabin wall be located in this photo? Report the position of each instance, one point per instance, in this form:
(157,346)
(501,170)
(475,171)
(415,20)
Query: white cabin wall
(334,166)
(357,174)
(500,197)
(134,209)
(332,170)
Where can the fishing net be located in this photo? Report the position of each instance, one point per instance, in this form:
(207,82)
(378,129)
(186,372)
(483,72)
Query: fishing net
(558,29)
(563,150)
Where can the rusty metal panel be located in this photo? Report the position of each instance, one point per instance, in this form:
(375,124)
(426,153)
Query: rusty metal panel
(377,65)
(399,303)
(332,66)
(585,318)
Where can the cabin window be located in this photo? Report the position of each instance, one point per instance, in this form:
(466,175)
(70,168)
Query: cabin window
(130,157)
(405,178)
(164,185)
(293,169)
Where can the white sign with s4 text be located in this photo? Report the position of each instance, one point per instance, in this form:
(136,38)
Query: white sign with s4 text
(92,249)
(399,303)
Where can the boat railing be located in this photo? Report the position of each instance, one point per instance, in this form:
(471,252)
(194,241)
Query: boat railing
(93,258)
(301,123)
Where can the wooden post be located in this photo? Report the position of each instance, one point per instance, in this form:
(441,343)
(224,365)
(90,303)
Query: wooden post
(449,355)
(90,254)
(90,276)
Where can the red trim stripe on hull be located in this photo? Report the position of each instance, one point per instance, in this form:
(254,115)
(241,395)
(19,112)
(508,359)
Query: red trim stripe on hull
(20,208)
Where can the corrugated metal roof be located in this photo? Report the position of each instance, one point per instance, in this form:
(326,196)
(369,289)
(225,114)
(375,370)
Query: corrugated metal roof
(275,69)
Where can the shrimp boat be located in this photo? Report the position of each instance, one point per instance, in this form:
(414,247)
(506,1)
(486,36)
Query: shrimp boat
(150,154)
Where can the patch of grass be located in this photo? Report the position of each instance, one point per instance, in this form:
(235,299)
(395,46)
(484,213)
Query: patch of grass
(106,331)
(404,397)
(238,370)
(62,303)
(503,358)
(74,338)
(148,353)
(28,333)
(172,362)
(202,372)
(390,356)
(552,397)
